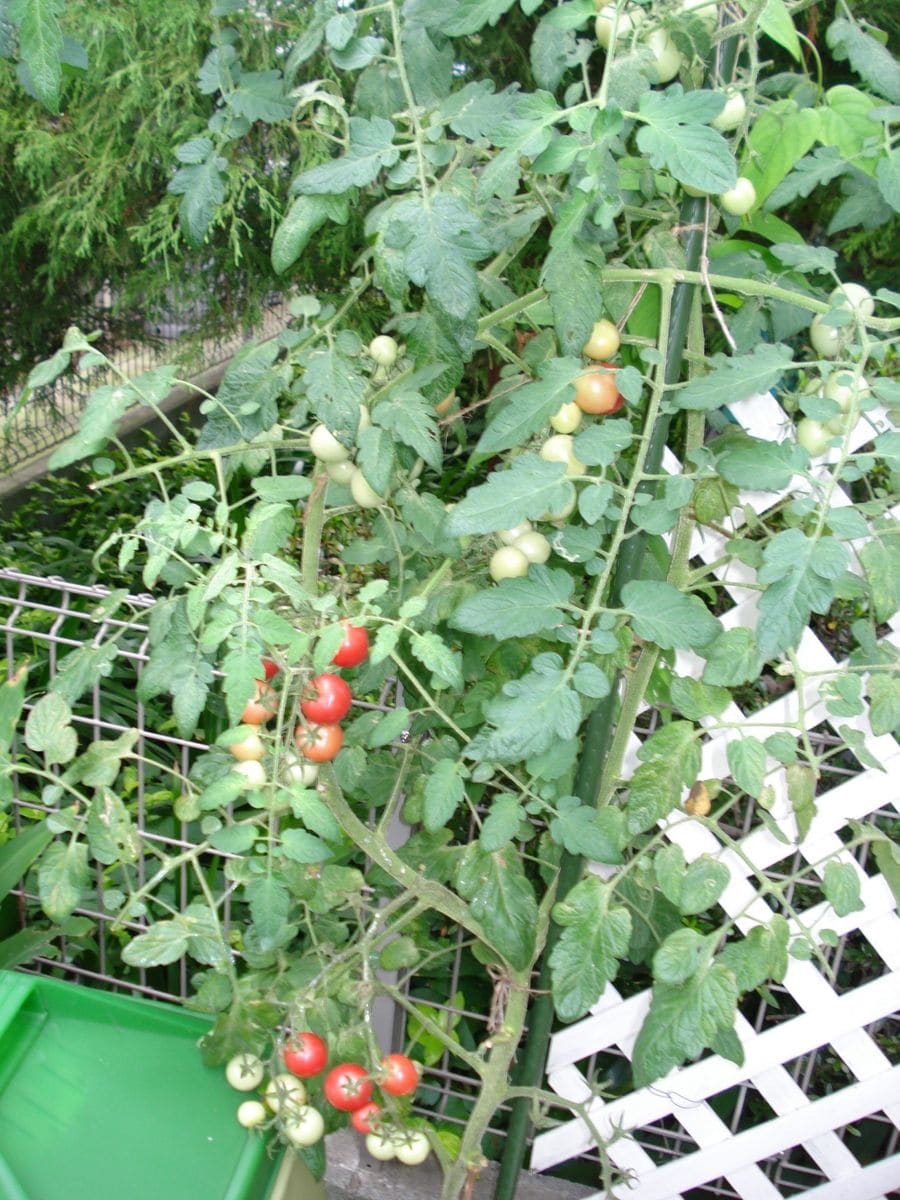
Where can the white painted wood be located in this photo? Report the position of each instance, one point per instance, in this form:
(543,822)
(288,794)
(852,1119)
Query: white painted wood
(827,1019)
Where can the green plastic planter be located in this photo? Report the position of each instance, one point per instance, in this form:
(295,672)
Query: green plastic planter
(104,1097)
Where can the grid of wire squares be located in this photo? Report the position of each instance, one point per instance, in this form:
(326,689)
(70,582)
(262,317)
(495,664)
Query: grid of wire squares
(815,1108)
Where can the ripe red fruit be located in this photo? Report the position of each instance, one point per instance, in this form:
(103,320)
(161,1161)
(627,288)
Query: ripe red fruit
(366,1119)
(328,700)
(347,1087)
(305,1054)
(270,668)
(354,648)
(399,1075)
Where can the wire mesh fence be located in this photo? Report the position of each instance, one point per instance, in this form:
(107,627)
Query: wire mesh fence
(50,414)
(48,621)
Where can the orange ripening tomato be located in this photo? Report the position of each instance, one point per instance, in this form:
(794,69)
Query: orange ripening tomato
(596,391)
(262,707)
(318,743)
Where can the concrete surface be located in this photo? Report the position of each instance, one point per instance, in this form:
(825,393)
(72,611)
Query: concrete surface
(353,1175)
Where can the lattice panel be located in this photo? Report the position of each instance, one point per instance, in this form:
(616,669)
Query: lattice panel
(781,1136)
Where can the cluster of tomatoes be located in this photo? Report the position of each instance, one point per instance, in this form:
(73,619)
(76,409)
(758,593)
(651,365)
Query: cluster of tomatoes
(596,393)
(845,388)
(324,704)
(334,455)
(347,1087)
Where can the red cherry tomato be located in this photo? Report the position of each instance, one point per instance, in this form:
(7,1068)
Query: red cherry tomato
(327,701)
(271,668)
(262,707)
(305,1054)
(596,392)
(348,1087)
(399,1075)
(318,743)
(366,1119)
(354,648)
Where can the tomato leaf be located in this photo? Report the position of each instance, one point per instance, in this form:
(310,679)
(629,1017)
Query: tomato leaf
(527,410)
(734,379)
(63,878)
(501,824)
(662,614)
(410,418)
(303,847)
(675,136)
(586,957)
(48,730)
(759,956)
(40,46)
(371,149)
(529,488)
(747,764)
(164,942)
(731,659)
(800,574)
(517,607)
(246,399)
(840,883)
(598,835)
(501,899)
(444,792)
(529,715)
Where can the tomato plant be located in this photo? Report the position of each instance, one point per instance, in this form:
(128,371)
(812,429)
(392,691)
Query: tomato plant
(546,236)
(348,1087)
(305,1054)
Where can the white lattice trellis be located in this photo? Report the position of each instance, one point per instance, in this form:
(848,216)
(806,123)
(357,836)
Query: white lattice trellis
(708,1149)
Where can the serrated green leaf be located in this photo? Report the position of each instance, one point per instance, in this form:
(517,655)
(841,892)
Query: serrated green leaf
(527,409)
(410,418)
(444,663)
(696,700)
(653,792)
(747,763)
(269,906)
(48,730)
(529,715)
(371,150)
(760,956)
(880,558)
(678,746)
(662,614)
(840,883)
(502,900)
(674,135)
(683,1020)
(303,847)
(602,443)
(164,942)
(731,659)
(737,378)
(17,855)
(528,489)
(872,61)
(801,788)
(595,937)
(598,835)
(40,46)
(389,727)
(246,400)
(501,824)
(680,956)
(63,878)
(517,607)
(444,792)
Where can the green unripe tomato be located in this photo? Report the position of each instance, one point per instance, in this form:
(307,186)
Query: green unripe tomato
(843,387)
(739,199)
(827,340)
(507,563)
(668,60)
(534,546)
(244,1072)
(559,449)
(326,447)
(567,419)
(252,772)
(251,1113)
(732,114)
(853,295)
(603,26)
(509,536)
(364,495)
(813,436)
(384,350)
(341,472)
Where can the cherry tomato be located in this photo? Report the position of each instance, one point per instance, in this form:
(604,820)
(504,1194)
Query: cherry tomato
(250,749)
(251,1113)
(319,743)
(381,1147)
(348,1087)
(384,350)
(328,700)
(354,649)
(270,668)
(365,1119)
(293,770)
(813,436)
(261,708)
(603,26)
(567,418)
(413,1149)
(559,448)
(244,1072)
(534,546)
(285,1091)
(843,387)
(507,563)
(253,773)
(303,1126)
(667,61)
(596,392)
(853,295)
(603,342)
(827,340)
(305,1054)
(341,472)
(362,491)
(326,447)
(510,536)
(739,199)
(399,1075)
(732,114)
